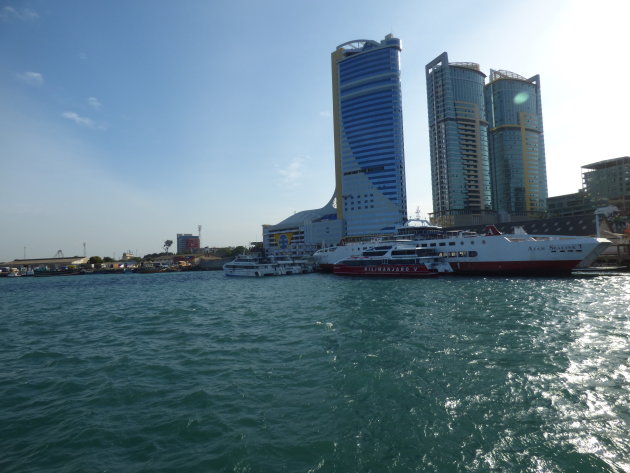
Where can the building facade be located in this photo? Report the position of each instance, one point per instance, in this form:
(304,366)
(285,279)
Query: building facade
(578,203)
(609,181)
(187,243)
(517,149)
(303,233)
(368,130)
(458,136)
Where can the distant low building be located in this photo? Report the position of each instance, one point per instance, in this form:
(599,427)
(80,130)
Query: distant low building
(580,225)
(47,264)
(187,243)
(566,205)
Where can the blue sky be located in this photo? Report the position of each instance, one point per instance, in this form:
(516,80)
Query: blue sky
(125,123)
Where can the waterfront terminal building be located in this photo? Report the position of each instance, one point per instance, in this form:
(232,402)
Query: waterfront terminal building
(303,233)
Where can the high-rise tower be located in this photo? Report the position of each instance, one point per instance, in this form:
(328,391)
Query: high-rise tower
(517,147)
(460,166)
(368,129)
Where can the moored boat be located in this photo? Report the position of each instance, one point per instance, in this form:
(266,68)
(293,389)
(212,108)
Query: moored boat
(489,253)
(252,266)
(393,260)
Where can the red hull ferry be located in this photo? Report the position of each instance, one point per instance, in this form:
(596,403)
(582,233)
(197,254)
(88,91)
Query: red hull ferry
(385,270)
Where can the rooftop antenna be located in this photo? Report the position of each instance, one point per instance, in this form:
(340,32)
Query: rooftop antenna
(84,254)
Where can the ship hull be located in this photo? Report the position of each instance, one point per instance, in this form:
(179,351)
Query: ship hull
(385,270)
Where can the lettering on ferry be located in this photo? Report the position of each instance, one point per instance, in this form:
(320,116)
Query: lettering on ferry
(566,247)
(391,269)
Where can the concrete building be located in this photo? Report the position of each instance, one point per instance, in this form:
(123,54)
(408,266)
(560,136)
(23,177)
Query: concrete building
(567,205)
(458,136)
(187,243)
(609,180)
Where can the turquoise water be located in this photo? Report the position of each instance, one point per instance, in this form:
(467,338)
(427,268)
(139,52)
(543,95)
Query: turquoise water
(195,372)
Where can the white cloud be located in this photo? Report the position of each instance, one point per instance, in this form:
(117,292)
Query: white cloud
(34,79)
(292,174)
(84,121)
(94,103)
(24,14)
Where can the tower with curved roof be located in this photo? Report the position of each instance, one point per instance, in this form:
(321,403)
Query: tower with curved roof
(368,130)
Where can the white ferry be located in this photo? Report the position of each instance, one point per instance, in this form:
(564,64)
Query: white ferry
(252,266)
(394,260)
(489,253)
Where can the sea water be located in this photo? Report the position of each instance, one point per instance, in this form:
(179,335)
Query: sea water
(195,372)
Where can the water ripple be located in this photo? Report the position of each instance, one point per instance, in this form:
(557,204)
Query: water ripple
(196,372)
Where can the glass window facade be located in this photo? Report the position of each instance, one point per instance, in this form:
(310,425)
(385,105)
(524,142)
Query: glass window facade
(460,166)
(486,143)
(516,143)
(369,151)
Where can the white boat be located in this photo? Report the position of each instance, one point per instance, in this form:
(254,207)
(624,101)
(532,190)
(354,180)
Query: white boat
(252,266)
(249,266)
(489,253)
(394,260)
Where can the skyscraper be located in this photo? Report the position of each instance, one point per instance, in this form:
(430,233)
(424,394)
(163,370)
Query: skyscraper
(368,130)
(517,146)
(460,166)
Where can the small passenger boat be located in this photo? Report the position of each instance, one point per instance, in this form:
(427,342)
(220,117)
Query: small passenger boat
(252,266)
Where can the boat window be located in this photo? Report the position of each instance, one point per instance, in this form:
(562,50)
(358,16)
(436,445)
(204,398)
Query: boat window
(432,244)
(374,253)
(472,253)
(442,244)
(424,245)
(403,252)
(451,243)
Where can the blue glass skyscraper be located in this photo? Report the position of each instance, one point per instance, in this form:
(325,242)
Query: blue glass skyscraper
(517,146)
(460,166)
(368,128)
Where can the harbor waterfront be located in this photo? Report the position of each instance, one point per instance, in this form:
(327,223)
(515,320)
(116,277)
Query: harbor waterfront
(196,372)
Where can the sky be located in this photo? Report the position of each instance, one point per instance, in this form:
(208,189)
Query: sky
(125,123)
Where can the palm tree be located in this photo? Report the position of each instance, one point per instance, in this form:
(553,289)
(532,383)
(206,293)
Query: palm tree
(167,245)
